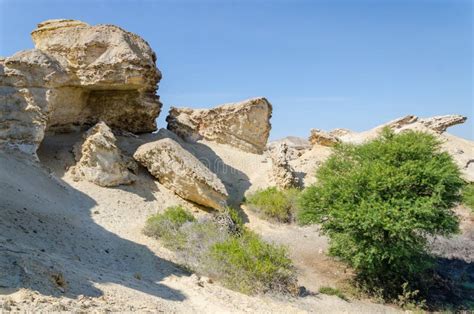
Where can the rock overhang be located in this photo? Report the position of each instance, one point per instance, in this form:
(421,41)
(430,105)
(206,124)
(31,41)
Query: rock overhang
(76,76)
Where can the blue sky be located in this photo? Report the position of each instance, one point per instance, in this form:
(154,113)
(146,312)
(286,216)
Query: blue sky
(322,64)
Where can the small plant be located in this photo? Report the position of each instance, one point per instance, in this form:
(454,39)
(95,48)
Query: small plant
(250,265)
(59,280)
(333,291)
(240,260)
(380,202)
(408,299)
(166,225)
(468,196)
(274,204)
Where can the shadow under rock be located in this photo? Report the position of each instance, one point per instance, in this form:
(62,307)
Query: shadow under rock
(235,181)
(50,243)
(144,186)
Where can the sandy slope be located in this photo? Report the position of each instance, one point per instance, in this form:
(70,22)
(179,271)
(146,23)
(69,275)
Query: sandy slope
(52,228)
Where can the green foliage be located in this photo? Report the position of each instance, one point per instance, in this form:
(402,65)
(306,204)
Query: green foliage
(250,265)
(379,201)
(241,260)
(167,224)
(274,204)
(332,291)
(235,216)
(468,196)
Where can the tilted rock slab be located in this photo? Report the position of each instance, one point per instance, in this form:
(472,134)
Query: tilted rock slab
(178,170)
(99,160)
(76,76)
(244,125)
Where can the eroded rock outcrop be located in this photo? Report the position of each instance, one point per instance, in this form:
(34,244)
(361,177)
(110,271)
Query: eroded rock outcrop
(100,161)
(460,149)
(76,76)
(283,174)
(322,138)
(181,172)
(244,125)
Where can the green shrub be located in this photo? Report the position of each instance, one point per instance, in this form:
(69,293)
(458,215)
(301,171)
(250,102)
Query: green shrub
(240,260)
(250,265)
(166,225)
(378,203)
(274,204)
(198,237)
(332,291)
(468,196)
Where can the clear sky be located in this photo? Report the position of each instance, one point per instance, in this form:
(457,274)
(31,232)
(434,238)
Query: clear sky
(322,64)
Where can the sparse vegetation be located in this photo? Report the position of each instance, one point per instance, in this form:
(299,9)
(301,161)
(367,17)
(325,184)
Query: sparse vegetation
(250,265)
(379,201)
(274,204)
(166,225)
(468,196)
(333,291)
(240,260)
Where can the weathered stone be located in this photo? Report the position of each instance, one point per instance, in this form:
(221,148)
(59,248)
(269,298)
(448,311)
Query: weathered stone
(181,172)
(296,146)
(283,174)
(322,138)
(441,123)
(244,125)
(77,76)
(340,132)
(100,161)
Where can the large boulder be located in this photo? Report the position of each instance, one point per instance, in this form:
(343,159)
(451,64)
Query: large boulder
(244,125)
(178,170)
(99,160)
(76,76)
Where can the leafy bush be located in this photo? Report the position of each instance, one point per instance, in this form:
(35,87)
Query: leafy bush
(195,240)
(468,196)
(241,260)
(332,291)
(250,265)
(379,201)
(166,226)
(274,204)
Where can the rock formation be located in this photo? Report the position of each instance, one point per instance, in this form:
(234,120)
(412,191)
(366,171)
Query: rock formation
(244,125)
(322,138)
(461,150)
(76,76)
(100,161)
(441,123)
(181,172)
(283,174)
(297,146)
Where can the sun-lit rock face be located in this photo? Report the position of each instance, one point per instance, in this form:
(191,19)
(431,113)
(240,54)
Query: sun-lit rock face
(244,125)
(99,160)
(282,172)
(178,170)
(76,76)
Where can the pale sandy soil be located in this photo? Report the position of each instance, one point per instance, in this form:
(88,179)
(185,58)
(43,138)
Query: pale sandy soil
(74,246)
